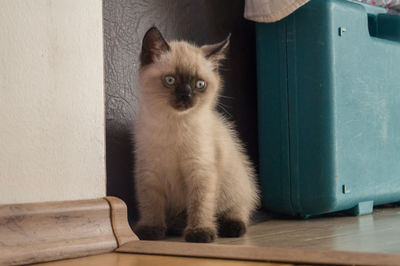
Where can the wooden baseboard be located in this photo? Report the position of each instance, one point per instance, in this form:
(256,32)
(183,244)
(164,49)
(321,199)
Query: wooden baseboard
(39,232)
(119,221)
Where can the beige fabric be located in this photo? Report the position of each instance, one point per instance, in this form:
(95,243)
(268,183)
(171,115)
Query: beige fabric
(270,10)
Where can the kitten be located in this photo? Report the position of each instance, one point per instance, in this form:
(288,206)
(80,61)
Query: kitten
(191,169)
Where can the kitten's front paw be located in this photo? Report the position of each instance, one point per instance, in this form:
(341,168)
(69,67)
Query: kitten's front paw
(231,228)
(145,232)
(200,235)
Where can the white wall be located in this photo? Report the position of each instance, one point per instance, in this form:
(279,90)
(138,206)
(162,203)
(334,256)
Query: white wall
(51,100)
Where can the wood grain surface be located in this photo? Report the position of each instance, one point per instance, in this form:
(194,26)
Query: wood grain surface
(122,259)
(119,221)
(38,232)
(266,254)
(378,232)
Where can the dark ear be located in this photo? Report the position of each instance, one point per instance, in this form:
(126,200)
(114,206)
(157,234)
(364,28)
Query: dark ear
(153,45)
(216,52)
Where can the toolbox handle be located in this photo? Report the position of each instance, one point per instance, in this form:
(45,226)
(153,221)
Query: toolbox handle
(384,26)
(381,24)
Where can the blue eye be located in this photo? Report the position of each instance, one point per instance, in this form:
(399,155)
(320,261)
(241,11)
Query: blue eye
(200,84)
(170,80)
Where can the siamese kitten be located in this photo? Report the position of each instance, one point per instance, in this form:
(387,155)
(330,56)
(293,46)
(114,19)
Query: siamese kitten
(192,174)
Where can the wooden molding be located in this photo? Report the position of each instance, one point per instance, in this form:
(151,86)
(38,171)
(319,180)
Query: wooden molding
(265,254)
(39,232)
(119,220)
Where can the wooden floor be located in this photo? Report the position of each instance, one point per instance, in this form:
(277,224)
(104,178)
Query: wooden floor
(377,232)
(122,259)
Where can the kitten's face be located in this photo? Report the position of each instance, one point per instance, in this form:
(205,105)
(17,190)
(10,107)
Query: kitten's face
(179,77)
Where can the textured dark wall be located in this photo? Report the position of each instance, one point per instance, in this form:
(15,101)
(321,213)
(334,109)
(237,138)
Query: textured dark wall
(201,22)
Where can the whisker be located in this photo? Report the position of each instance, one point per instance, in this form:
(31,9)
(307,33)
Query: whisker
(226,111)
(220,103)
(227,97)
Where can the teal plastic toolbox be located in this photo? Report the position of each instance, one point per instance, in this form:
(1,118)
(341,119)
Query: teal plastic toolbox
(329,109)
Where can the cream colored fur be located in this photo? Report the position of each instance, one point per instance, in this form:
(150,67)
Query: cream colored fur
(189,160)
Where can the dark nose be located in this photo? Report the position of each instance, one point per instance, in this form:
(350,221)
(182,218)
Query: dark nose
(184,93)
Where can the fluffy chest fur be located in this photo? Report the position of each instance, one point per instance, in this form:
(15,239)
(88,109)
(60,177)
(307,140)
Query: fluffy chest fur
(171,144)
